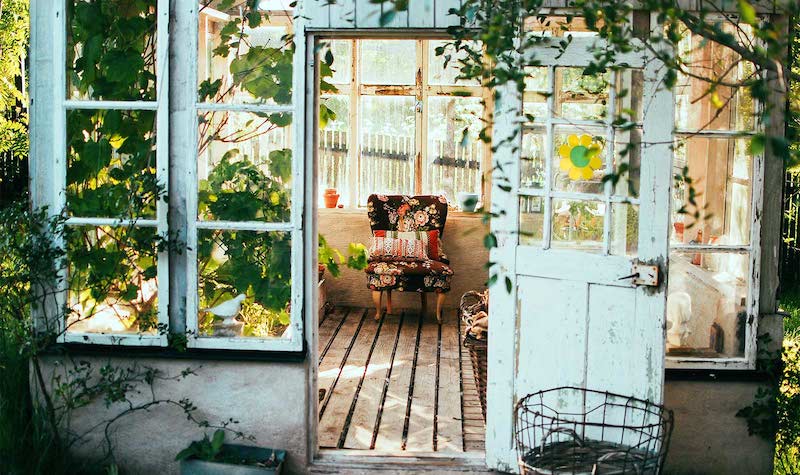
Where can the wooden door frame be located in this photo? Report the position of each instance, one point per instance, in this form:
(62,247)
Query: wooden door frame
(332,459)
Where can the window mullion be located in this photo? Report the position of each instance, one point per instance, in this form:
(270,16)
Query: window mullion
(353,149)
(421,114)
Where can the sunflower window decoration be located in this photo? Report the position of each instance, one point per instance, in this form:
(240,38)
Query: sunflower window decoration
(580,157)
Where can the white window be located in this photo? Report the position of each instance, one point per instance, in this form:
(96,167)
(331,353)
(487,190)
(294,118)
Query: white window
(395,119)
(105,133)
(114,126)
(712,305)
(245,211)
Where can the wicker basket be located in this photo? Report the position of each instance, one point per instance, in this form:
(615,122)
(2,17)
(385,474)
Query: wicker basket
(473,302)
(477,354)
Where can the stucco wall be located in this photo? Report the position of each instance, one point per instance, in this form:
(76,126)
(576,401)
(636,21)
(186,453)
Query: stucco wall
(267,398)
(708,439)
(463,244)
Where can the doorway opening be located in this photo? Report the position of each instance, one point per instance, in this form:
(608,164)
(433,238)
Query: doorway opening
(396,123)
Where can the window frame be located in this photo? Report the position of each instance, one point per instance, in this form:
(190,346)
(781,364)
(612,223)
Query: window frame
(56,202)
(294,225)
(748,360)
(422,91)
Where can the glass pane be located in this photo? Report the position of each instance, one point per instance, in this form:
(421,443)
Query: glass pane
(342,51)
(532,171)
(112,279)
(624,229)
(534,102)
(707,304)
(244,283)
(244,167)
(712,203)
(629,91)
(578,225)
(454,149)
(581,96)
(438,74)
(579,159)
(111,164)
(388,62)
(531,220)
(111,50)
(334,148)
(627,161)
(701,103)
(244,56)
(558,25)
(387,149)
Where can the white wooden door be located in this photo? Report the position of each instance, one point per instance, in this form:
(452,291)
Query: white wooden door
(568,241)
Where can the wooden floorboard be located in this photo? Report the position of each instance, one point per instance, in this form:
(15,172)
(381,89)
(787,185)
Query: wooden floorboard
(448,404)
(390,432)
(331,366)
(377,399)
(344,391)
(370,397)
(328,329)
(420,424)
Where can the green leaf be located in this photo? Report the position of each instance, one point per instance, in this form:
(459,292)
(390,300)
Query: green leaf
(747,12)
(387,17)
(758,144)
(490,241)
(217,440)
(280,164)
(508,285)
(185,453)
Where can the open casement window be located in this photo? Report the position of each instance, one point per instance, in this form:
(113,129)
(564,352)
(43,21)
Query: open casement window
(245,237)
(112,131)
(712,304)
(395,119)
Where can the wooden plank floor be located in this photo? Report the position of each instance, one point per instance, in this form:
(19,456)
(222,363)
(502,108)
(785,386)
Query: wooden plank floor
(403,383)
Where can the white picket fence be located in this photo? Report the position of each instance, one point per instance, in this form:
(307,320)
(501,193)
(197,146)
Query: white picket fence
(387,165)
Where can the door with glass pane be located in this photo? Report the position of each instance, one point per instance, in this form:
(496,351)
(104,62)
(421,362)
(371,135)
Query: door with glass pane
(582,194)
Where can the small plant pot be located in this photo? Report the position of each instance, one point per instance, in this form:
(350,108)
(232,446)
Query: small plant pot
(468,201)
(331,198)
(244,453)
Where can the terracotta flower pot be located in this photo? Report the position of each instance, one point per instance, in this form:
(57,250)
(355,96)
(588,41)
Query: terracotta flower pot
(331,198)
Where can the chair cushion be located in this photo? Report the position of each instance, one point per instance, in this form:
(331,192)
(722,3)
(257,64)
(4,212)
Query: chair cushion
(408,267)
(429,238)
(409,275)
(393,248)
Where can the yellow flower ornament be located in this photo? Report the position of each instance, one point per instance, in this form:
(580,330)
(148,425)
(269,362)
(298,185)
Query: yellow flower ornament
(580,157)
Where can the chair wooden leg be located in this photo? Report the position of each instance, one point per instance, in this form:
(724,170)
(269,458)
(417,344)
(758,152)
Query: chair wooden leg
(423,299)
(376,299)
(439,304)
(389,301)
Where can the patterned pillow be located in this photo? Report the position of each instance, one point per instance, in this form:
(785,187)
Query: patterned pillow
(397,247)
(430,238)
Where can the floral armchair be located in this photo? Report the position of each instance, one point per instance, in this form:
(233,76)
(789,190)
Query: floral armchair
(408,213)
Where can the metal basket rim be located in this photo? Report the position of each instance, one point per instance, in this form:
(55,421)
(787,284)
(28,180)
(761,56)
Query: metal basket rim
(665,415)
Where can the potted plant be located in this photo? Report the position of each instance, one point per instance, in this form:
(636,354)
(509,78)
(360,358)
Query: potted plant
(331,197)
(214,457)
(330,258)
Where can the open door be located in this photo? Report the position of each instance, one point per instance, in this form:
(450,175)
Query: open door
(581,262)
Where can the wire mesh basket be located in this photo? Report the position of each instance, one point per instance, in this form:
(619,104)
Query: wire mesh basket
(571,430)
